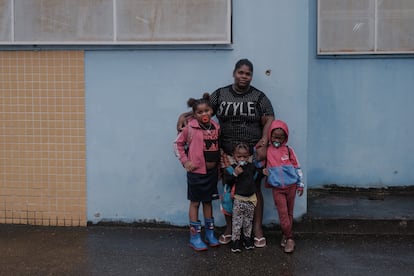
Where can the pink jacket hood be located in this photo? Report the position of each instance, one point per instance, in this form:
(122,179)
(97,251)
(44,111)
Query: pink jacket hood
(279,124)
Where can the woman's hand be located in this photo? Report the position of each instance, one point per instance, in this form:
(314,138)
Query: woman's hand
(182,120)
(261,151)
(262,142)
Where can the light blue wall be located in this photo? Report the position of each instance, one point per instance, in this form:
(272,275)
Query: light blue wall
(133,99)
(360,116)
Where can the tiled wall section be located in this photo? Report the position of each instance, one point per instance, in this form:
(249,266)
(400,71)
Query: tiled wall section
(42,138)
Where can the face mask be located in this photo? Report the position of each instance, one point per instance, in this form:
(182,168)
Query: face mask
(276,144)
(205,119)
(242,163)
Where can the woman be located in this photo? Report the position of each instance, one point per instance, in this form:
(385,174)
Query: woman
(245,114)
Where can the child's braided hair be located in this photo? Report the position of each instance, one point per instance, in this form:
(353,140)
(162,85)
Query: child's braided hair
(241,146)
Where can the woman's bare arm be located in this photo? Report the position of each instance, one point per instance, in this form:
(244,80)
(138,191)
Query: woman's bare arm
(261,146)
(183,119)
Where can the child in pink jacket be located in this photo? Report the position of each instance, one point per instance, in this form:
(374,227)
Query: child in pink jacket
(197,148)
(284,176)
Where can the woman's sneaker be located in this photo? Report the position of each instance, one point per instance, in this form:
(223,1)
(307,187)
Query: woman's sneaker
(248,243)
(236,246)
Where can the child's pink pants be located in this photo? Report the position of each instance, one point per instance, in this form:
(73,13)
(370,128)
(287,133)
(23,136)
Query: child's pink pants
(284,199)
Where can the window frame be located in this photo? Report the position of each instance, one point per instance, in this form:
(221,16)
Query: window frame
(10,35)
(347,50)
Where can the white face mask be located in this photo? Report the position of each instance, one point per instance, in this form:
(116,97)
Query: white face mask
(276,144)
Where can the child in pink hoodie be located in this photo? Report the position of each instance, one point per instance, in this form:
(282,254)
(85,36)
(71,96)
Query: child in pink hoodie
(284,176)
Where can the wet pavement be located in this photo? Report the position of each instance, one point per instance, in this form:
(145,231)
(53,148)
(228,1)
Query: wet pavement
(359,233)
(104,250)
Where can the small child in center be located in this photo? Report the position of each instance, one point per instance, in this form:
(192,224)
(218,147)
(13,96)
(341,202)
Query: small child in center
(285,177)
(197,148)
(241,178)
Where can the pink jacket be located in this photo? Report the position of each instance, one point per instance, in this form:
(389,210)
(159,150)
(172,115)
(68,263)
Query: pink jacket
(192,137)
(282,163)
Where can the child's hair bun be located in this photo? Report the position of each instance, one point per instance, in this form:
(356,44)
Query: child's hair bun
(206,96)
(193,102)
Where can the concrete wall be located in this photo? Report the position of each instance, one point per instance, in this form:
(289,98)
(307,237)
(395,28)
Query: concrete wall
(133,99)
(350,118)
(359,119)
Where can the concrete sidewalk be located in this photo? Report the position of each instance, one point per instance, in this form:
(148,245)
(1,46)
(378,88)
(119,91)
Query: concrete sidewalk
(359,211)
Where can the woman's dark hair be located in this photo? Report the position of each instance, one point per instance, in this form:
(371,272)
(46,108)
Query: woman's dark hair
(193,103)
(242,62)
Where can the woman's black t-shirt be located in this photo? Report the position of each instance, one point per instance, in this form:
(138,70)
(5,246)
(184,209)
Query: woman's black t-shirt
(240,116)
